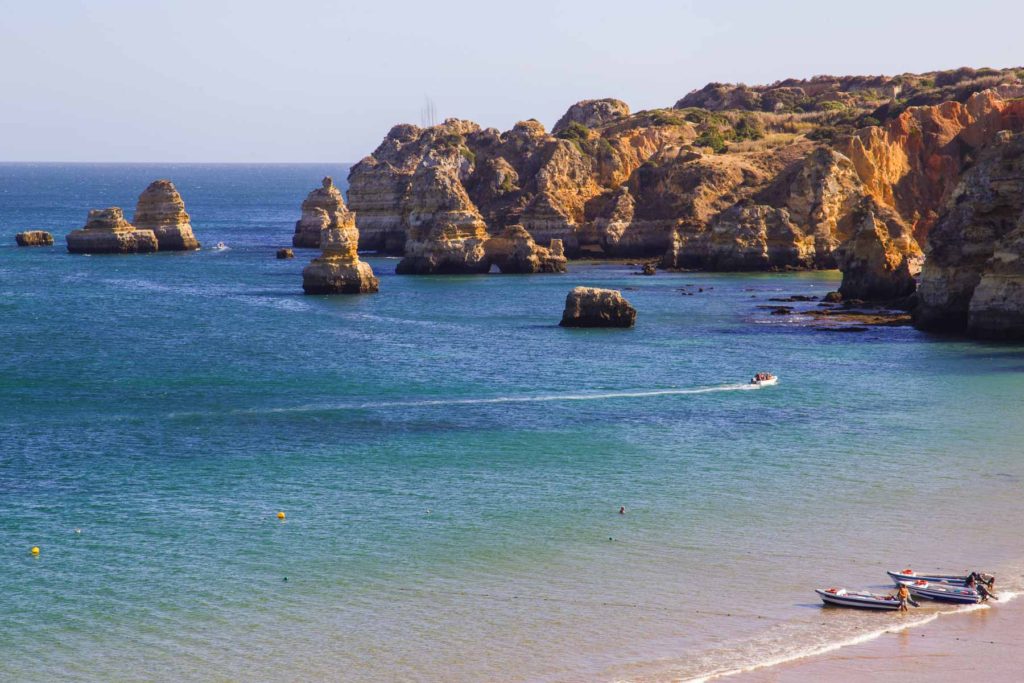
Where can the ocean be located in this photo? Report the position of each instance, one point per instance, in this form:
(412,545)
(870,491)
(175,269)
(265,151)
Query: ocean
(452,463)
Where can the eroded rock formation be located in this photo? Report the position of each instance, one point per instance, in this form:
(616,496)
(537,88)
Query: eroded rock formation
(593,307)
(107,232)
(972,279)
(446,233)
(338,269)
(34,238)
(326,198)
(731,178)
(874,266)
(161,209)
(514,251)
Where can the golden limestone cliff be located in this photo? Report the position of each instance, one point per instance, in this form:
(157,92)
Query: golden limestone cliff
(853,172)
(973,275)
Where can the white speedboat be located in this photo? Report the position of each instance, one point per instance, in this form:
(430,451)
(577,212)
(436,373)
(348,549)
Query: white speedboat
(944,592)
(858,599)
(764,379)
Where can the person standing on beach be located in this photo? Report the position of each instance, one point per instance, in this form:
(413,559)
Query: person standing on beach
(903,595)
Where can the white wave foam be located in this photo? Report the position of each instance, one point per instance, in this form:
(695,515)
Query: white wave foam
(816,650)
(542,398)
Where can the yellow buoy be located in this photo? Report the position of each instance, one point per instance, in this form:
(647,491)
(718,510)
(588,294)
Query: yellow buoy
(35,550)
(280,515)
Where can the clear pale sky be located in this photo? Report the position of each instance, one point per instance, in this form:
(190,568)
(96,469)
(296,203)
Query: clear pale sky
(315,80)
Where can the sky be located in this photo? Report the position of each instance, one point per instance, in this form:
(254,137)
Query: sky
(323,81)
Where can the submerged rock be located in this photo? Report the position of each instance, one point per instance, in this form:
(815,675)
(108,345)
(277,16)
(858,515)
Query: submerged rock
(161,209)
(107,232)
(308,228)
(34,238)
(592,307)
(338,269)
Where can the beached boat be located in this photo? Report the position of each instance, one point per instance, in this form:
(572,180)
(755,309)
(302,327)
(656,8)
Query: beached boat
(858,599)
(909,576)
(944,592)
(764,379)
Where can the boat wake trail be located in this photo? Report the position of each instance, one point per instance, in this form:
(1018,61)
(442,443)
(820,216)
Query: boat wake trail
(426,403)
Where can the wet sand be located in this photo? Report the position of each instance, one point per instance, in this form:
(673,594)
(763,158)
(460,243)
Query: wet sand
(986,644)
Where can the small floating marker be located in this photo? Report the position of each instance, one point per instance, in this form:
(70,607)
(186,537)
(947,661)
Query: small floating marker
(35,550)
(78,531)
(280,515)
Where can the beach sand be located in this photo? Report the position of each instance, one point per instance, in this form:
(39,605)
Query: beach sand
(985,644)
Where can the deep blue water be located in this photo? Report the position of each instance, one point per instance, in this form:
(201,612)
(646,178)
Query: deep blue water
(451,462)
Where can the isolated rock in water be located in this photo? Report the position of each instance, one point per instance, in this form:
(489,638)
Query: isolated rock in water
(338,269)
(591,307)
(309,226)
(976,239)
(874,267)
(446,231)
(34,238)
(285,253)
(162,210)
(107,232)
(592,113)
(514,251)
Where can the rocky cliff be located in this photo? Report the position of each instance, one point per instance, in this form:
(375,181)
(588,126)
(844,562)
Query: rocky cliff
(731,178)
(973,275)
(161,209)
(107,232)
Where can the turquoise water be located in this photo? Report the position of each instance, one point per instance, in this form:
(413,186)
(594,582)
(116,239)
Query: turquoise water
(451,462)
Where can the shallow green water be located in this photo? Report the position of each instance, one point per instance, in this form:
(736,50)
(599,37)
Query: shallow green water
(451,462)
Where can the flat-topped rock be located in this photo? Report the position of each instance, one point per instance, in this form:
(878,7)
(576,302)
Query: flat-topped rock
(34,238)
(308,228)
(592,307)
(514,251)
(107,232)
(162,210)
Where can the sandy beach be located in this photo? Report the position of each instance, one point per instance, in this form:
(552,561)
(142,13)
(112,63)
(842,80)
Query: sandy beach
(983,644)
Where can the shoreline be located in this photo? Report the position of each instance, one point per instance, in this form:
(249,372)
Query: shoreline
(944,647)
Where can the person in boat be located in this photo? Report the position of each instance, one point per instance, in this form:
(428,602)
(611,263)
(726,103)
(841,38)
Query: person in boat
(903,595)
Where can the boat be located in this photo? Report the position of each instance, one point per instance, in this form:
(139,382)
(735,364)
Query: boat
(944,592)
(764,379)
(858,599)
(909,576)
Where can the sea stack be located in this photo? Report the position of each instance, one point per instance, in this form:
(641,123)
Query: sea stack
(592,307)
(308,228)
(107,232)
(338,269)
(162,210)
(875,267)
(34,238)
